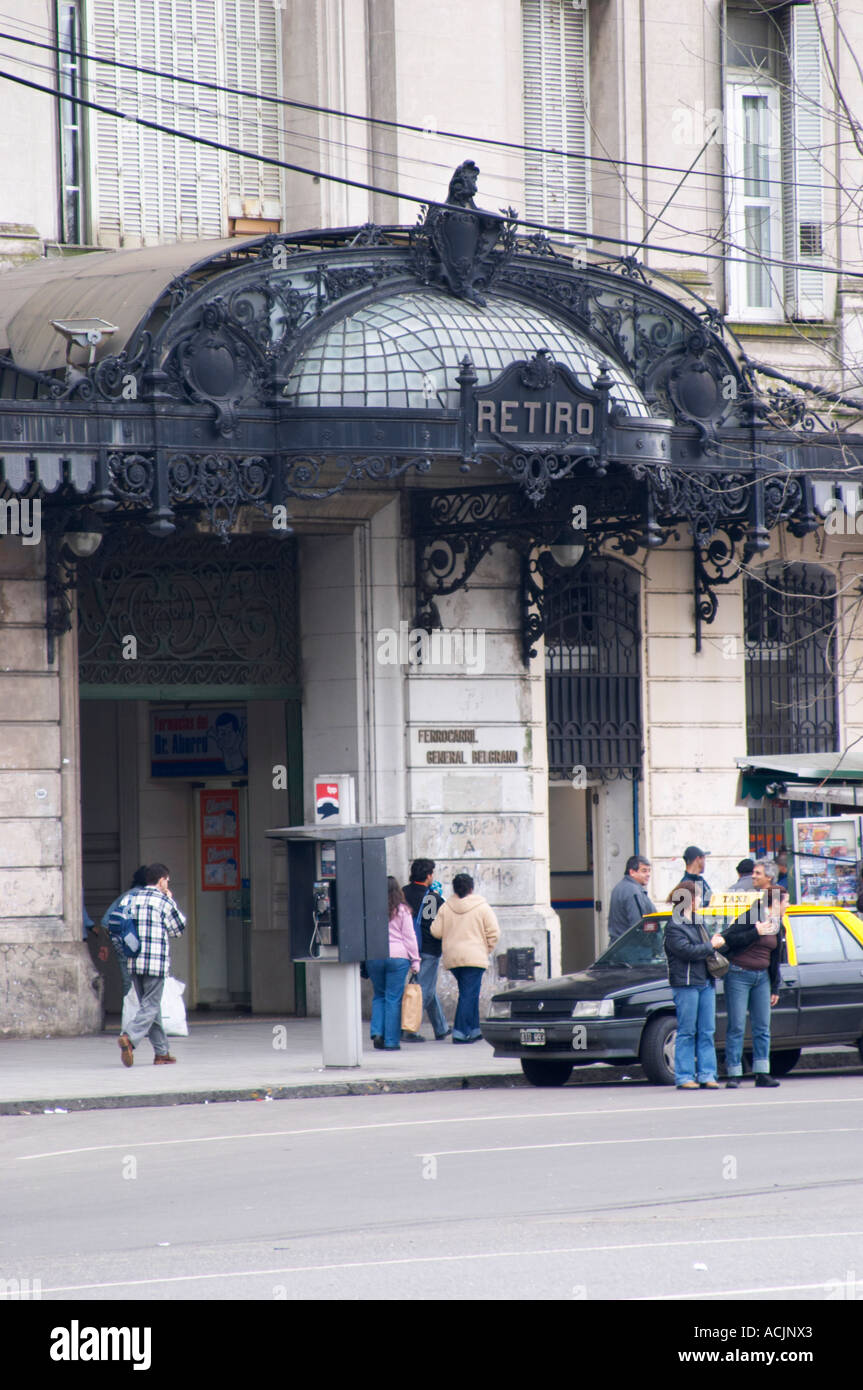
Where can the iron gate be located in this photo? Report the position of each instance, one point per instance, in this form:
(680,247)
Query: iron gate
(592,665)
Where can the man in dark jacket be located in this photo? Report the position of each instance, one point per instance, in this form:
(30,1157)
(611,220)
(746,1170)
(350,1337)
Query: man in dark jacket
(752,984)
(424,903)
(688,948)
(629,900)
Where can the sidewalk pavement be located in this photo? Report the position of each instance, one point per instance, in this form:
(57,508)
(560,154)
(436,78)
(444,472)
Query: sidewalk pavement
(260,1059)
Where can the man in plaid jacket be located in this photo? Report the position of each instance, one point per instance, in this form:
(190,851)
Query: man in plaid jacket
(157,918)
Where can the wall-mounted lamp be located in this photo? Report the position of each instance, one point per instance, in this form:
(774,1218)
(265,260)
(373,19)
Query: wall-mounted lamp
(83,333)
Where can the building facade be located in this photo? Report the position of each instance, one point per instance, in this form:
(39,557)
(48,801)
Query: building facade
(511,523)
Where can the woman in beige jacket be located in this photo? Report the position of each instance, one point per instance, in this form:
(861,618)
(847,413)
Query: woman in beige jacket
(469,930)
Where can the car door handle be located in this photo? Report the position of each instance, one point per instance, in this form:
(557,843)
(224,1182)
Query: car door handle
(792,979)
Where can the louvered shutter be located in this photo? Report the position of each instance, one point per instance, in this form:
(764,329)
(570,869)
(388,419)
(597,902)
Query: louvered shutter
(802,159)
(251,62)
(149,187)
(557,188)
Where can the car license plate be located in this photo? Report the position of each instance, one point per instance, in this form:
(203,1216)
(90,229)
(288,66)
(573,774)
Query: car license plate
(532,1037)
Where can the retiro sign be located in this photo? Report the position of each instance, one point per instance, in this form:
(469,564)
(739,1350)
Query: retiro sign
(539,401)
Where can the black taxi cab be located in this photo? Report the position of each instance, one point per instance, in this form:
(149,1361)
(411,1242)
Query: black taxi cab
(621,1009)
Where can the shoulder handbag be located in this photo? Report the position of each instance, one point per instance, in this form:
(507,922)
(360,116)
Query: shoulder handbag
(717,966)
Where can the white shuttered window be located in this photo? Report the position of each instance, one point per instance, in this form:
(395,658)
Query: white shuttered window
(148,187)
(775,162)
(557,186)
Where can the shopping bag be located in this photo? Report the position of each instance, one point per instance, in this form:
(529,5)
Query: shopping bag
(173,1009)
(130,1008)
(412,1008)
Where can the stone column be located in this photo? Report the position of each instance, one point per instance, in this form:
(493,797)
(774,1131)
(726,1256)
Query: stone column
(46,975)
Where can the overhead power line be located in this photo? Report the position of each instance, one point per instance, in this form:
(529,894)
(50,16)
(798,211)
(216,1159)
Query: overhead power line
(638,165)
(343,179)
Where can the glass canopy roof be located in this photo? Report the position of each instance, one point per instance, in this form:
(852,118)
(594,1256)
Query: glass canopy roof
(404,352)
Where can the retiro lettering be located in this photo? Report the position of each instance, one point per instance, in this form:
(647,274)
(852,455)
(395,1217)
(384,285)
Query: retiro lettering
(535,417)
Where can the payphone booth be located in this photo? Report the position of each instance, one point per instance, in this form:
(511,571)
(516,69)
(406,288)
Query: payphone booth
(337,906)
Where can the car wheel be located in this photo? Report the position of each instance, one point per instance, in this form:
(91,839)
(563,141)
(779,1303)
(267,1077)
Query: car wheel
(782,1062)
(538,1073)
(860,1049)
(657,1049)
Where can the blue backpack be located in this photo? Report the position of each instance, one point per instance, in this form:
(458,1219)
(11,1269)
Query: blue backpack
(123,927)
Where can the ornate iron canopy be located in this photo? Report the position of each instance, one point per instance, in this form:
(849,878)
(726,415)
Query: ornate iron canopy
(626,397)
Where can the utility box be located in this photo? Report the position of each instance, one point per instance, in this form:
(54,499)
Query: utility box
(337,890)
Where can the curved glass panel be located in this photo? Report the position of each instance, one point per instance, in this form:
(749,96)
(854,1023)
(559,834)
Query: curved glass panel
(404,353)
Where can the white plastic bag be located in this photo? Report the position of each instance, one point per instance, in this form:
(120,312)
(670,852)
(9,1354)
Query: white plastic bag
(173,1009)
(130,1008)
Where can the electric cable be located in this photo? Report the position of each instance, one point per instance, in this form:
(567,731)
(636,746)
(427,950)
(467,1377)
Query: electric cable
(425,202)
(511,145)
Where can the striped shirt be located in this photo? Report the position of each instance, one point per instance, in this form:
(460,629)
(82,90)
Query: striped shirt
(157,917)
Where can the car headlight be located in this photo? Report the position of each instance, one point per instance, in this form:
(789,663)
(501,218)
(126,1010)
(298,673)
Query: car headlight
(593,1008)
(500,1008)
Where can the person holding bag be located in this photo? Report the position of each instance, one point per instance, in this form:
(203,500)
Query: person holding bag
(389,974)
(690,951)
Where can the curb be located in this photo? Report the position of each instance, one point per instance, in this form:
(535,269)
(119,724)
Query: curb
(826,1062)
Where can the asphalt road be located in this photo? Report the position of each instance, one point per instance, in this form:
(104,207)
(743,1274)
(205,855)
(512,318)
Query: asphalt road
(623,1192)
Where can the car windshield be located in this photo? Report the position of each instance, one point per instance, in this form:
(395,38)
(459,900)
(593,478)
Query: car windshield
(636,947)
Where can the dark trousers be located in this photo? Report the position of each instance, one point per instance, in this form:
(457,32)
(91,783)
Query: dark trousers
(469,978)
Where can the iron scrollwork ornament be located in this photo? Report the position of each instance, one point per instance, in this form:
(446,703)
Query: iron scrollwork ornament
(456,244)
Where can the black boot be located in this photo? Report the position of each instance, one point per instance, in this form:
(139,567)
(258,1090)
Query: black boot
(763,1079)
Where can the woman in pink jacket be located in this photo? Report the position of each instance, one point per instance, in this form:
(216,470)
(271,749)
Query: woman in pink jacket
(389,975)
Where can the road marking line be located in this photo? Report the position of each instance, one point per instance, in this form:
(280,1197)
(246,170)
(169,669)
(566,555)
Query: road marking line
(448,1259)
(738,1293)
(453,1120)
(652,1139)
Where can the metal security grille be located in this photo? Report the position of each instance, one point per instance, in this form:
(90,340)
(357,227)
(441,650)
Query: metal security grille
(791,698)
(592,671)
(200,613)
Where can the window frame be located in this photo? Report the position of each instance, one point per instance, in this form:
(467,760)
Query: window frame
(738,87)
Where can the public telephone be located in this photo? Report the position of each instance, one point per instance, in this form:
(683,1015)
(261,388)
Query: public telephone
(324,899)
(323,914)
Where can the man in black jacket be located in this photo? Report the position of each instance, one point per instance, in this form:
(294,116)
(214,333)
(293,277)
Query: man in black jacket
(752,983)
(424,903)
(688,947)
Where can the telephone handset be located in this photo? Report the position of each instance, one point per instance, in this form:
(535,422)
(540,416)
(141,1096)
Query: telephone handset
(323,914)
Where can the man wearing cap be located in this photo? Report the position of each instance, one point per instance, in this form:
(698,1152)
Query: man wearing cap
(694,858)
(744,882)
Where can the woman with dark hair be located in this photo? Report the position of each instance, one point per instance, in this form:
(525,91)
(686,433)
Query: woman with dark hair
(688,947)
(469,930)
(389,974)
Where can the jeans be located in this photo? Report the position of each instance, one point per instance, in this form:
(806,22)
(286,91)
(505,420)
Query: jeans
(428,984)
(696,1024)
(147,1022)
(466,1025)
(123,963)
(388,976)
(747,989)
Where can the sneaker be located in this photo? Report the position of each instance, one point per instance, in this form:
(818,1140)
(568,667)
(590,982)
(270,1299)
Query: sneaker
(763,1078)
(687,1085)
(709,1085)
(412,1037)
(732,1083)
(439,1037)
(162,1059)
(127,1050)
(397,1048)
(378,1042)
